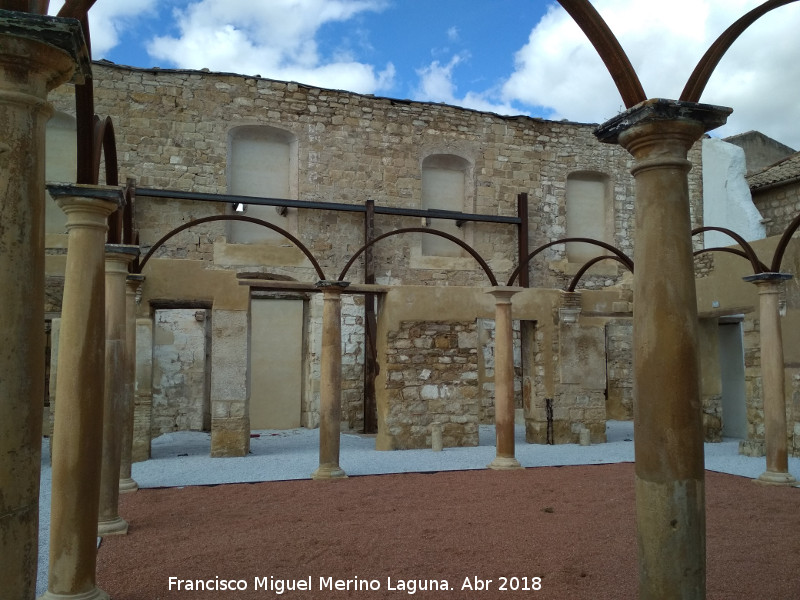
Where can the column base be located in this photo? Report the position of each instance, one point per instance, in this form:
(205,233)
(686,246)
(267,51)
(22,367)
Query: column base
(504,463)
(118,526)
(329,472)
(127,485)
(775,478)
(94,594)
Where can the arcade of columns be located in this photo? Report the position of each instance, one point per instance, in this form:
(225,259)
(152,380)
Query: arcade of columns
(41,53)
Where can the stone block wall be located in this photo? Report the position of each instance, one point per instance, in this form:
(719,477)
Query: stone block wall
(619,368)
(433,378)
(778,206)
(173,127)
(230,420)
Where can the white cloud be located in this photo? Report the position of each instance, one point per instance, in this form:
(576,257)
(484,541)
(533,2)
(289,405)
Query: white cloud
(559,70)
(108,18)
(276,39)
(436,84)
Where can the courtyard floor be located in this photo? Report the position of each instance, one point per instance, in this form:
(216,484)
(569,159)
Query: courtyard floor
(439,519)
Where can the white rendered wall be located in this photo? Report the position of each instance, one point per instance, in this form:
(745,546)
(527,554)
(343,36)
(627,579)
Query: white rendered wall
(726,196)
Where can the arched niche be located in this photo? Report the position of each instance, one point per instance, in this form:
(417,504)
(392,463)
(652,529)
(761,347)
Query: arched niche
(589,213)
(445,186)
(262,162)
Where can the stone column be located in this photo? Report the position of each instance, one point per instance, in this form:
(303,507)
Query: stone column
(330,392)
(126,481)
(143,403)
(37,54)
(772,379)
(78,429)
(668,425)
(504,379)
(118,257)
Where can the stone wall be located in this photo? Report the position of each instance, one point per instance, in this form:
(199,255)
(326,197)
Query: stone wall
(180,392)
(432,377)
(619,368)
(778,206)
(173,130)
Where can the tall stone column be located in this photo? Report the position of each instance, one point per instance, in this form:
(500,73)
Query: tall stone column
(37,54)
(504,380)
(330,392)
(668,426)
(126,481)
(772,379)
(78,429)
(118,257)
(143,395)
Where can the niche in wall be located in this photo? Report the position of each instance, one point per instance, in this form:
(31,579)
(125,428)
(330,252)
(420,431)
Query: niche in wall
(262,162)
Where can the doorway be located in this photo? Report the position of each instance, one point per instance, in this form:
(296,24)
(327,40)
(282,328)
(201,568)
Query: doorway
(276,363)
(731,364)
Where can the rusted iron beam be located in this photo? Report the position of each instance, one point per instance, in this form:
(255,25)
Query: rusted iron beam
(143,192)
(522,238)
(370,325)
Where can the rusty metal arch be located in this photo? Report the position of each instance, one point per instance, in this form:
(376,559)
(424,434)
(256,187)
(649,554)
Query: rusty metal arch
(735,251)
(589,264)
(780,249)
(750,254)
(283,232)
(105,146)
(619,254)
(472,252)
(704,69)
(609,49)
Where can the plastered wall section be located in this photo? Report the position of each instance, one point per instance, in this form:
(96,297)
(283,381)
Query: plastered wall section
(724,293)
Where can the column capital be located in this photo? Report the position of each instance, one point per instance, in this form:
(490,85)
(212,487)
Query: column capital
(658,113)
(118,257)
(87,205)
(503,293)
(331,285)
(63,35)
(767,280)
(135,279)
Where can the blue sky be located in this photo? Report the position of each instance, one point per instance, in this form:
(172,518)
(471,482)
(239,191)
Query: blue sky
(505,56)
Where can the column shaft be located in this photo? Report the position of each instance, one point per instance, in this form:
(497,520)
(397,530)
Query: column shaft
(330,393)
(126,481)
(668,432)
(77,438)
(504,381)
(28,70)
(772,381)
(116,270)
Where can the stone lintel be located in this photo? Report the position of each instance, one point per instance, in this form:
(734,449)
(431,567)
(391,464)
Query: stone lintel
(660,109)
(110,193)
(767,277)
(60,33)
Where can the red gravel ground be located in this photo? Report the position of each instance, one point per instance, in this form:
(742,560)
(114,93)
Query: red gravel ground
(572,527)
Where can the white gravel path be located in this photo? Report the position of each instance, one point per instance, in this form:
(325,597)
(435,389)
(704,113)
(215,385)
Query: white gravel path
(182,459)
